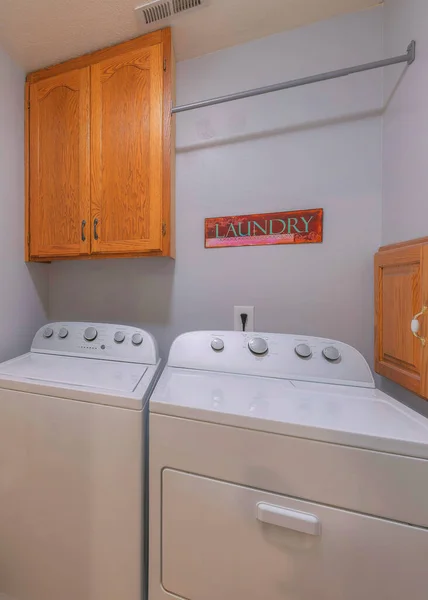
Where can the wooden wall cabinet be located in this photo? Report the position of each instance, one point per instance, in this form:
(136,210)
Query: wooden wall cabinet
(401,292)
(100,152)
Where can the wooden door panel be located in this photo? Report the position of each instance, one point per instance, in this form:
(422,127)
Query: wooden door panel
(59,165)
(126,152)
(400,296)
(424,320)
(398,288)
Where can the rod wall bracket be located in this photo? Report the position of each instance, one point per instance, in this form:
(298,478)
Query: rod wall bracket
(411,52)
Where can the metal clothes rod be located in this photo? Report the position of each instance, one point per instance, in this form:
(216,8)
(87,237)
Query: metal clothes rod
(408,58)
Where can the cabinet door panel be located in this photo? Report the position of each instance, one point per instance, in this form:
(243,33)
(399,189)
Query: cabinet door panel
(126,152)
(400,294)
(59,165)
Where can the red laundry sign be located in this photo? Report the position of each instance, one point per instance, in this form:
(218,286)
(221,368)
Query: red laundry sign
(292,227)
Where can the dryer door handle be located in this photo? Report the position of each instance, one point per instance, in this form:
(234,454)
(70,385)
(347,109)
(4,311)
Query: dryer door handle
(289,519)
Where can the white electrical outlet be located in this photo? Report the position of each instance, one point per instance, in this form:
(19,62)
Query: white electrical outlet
(237,321)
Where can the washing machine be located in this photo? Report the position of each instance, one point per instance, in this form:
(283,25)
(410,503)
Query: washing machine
(279,471)
(73,421)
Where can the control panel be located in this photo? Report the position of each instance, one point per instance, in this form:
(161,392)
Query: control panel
(97,340)
(272,355)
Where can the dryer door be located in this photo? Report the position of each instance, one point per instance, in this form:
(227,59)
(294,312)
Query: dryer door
(226,541)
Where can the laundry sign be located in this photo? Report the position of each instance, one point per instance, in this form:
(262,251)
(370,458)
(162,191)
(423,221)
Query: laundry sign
(292,227)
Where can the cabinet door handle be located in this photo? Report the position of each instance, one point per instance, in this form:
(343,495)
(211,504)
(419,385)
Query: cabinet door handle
(289,519)
(95,229)
(415,325)
(83,231)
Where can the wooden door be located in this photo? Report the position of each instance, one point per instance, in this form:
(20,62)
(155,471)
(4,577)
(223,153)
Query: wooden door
(59,163)
(126,152)
(401,291)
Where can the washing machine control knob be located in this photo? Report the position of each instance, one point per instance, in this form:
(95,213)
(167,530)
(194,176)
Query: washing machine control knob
(258,346)
(137,339)
(217,344)
(48,332)
(303,350)
(331,353)
(90,334)
(119,337)
(63,333)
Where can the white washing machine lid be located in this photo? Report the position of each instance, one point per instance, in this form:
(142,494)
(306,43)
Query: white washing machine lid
(100,381)
(351,416)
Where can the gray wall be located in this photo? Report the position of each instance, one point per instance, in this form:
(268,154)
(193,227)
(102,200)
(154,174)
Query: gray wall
(318,146)
(405,140)
(405,137)
(23,290)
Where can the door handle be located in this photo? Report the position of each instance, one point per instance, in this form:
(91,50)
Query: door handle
(289,519)
(95,229)
(415,325)
(83,231)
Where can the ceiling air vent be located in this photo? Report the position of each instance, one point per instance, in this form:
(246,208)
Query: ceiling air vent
(155,11)
(180,5)
(161,10)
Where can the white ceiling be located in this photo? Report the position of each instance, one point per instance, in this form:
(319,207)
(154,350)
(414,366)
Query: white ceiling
(38,33)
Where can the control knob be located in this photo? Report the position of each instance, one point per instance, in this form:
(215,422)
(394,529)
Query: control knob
(303,350)
(90,334)
(137,339)
(119,337)
(331,353)
(217,344)
(48,332)
(258,346)
(63,333)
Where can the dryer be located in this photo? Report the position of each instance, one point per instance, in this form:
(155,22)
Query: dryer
(73,420)
(279,471)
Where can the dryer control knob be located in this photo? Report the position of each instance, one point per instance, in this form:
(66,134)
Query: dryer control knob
(90,334)
(217,344)
(258,346)
(48,332)
(137,339)
(119,337)
(331,353)
(303,350)
(63,333)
